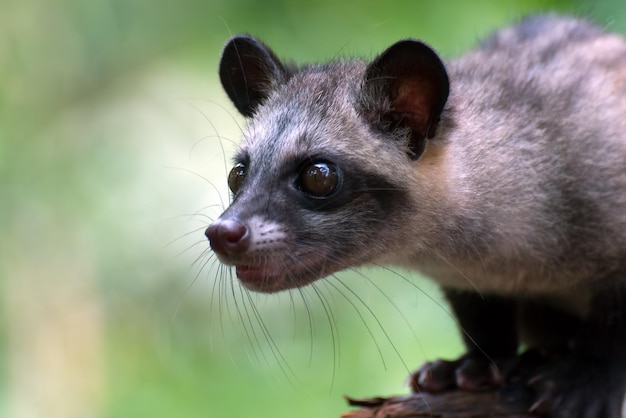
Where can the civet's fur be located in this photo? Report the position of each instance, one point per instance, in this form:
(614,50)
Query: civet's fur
(513,196)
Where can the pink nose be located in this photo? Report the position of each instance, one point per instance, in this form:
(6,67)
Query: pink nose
(228,236)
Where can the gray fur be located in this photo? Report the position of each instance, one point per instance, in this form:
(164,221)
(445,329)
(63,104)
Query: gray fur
(523,189)
(515,192)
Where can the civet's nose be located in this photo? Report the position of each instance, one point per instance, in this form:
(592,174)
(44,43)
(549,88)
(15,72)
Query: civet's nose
(228,236)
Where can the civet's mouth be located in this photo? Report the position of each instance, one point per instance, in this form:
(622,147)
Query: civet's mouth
(276,275)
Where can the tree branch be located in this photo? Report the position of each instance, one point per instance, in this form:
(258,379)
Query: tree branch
(510,402)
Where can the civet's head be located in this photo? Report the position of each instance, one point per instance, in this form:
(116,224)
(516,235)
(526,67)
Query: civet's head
(326,174)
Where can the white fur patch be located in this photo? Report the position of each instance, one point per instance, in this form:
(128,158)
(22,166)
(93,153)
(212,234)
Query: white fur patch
(266,235)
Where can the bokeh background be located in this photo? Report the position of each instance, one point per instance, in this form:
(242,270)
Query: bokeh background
(114,141)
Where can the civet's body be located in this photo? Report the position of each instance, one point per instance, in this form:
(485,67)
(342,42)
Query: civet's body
(501,175)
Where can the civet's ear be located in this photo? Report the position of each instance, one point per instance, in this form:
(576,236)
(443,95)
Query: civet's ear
(249,71)
(411,78)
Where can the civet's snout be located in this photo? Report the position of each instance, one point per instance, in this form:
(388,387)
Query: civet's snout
(228,236)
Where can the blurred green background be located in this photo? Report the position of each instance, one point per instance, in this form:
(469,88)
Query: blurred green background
(111,166)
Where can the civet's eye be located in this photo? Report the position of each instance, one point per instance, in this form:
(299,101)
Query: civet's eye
(236,177)
(319,179)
